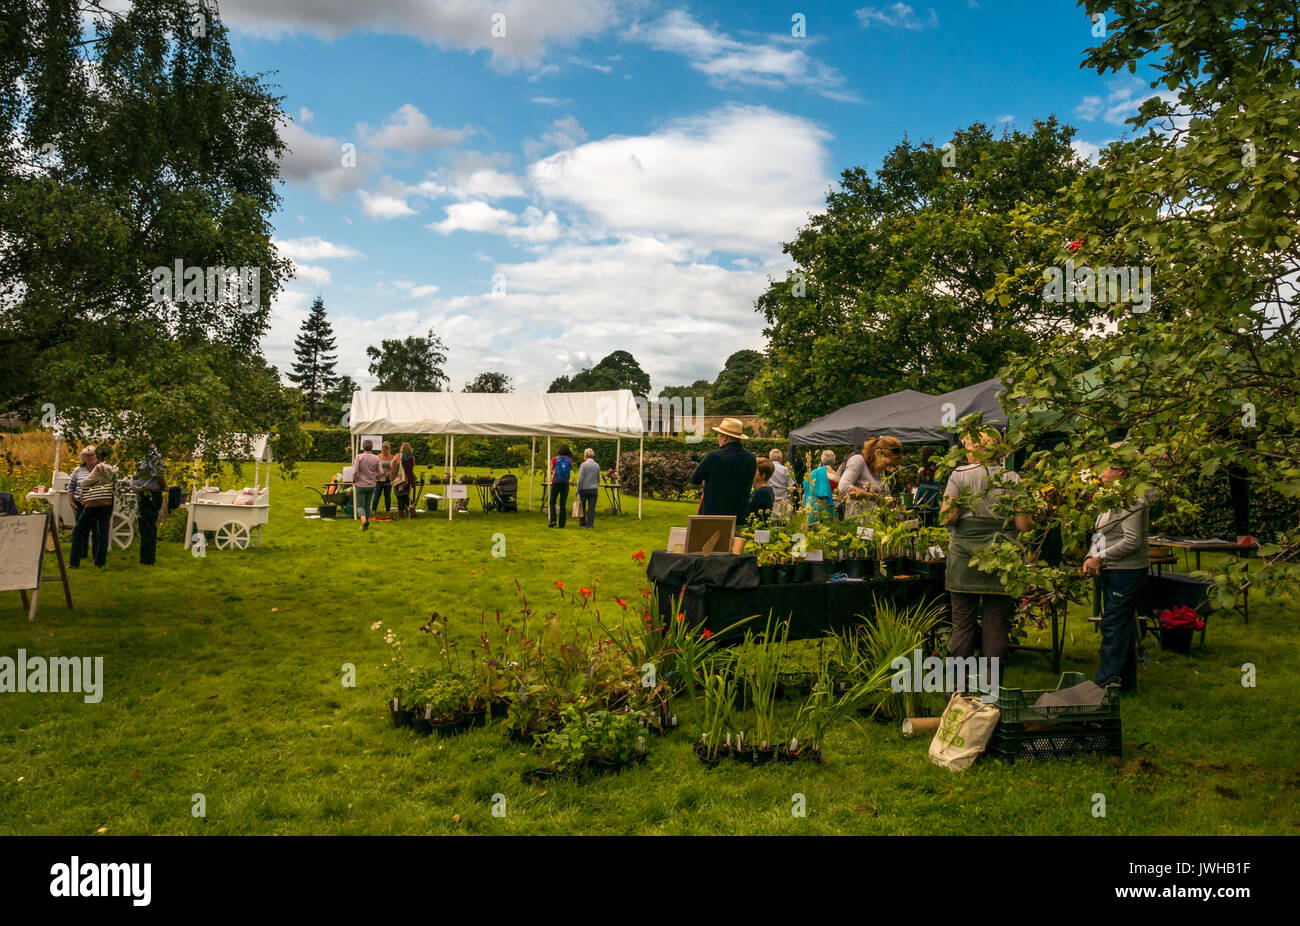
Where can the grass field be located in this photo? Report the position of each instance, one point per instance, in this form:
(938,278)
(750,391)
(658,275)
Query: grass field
(223,678)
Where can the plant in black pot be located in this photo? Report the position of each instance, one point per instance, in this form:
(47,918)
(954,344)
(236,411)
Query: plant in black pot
(1176,628)
(594,740)
(719,707)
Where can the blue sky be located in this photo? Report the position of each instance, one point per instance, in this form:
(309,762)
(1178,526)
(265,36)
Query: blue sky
(611,175)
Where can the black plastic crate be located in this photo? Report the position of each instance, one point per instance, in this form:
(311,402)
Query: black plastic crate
(1055,732)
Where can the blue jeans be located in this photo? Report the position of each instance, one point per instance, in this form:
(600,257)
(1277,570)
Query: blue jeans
(365,501)
(1119,631)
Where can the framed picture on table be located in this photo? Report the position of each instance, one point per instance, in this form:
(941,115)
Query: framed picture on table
(710,533)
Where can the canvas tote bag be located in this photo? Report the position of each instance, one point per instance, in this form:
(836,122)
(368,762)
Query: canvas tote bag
(964,730)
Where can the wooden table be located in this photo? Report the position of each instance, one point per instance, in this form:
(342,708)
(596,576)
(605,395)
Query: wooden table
(1197,546)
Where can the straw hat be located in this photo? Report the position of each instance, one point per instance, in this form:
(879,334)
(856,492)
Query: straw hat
(732,428)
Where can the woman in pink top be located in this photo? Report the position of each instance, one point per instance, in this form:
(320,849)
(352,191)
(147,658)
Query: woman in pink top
(366,471)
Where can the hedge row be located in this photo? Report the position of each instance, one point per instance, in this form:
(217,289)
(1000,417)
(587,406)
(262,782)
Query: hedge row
(333,445)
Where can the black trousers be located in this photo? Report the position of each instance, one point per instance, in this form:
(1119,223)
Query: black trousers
(91,530)
(385,489)
(148,506)
(559,491)
(588,498)
(989,615)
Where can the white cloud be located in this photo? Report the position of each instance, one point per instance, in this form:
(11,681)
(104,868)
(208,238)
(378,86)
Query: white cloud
(1125,96)
(551,100)
(474,216)
(532,27)
(740,178)
(1087,151)
(389,202)
(729,61)
(409,130)
(533,226)
(310,273)
(897,16)
(313,248)
(420,292)
(319,160)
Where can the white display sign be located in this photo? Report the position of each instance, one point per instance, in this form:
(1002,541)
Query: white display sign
(762,536)
(456,490)
(376,442)
(868,532)
(813,556)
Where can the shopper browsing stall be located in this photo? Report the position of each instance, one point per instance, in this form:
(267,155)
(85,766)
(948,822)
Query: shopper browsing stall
(1119,560)
(980,603)
(560,473)
(727,473)
(588,487)
(366,471)
(864,472)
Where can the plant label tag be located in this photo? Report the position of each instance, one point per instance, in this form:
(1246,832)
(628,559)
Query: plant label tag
(813,556)
(868,533)
(936,553)
(762,536)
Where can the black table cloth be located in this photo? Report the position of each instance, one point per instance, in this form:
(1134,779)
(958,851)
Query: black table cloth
(720,590)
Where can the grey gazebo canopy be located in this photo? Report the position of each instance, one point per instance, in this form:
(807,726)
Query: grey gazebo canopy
(912,417)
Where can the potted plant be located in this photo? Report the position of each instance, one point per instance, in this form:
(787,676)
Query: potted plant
(931,544)
(594,740)
(861,562)
(719,707)
(897,543)
(759,661)
(1176,628)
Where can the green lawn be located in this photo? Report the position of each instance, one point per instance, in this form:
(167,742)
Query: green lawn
(223,677)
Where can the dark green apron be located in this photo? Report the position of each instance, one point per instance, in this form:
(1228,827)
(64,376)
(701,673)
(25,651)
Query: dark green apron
(971,535)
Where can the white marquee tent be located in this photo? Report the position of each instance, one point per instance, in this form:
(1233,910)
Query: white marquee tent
(552,414)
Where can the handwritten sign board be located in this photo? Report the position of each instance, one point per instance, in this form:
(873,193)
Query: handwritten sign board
(22,545)
(22,553)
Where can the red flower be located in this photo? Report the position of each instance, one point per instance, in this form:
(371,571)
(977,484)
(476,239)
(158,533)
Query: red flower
(1075,244)
(585,591)
(559,585)
(645,593)
(680,618)
(1181,618)
(639,556)
(706,633)
(621,603)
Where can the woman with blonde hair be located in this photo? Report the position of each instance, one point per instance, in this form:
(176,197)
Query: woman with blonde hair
(980,603)
(864,473)
(402,476)
(385,485)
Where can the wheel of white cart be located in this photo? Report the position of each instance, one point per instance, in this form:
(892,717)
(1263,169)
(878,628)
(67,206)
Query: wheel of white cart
(232,534)
(121,530)
(255,536)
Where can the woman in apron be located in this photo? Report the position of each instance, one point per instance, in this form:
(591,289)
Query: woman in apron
(979,601)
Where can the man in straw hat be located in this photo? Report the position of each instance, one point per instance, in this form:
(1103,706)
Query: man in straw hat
(727,473)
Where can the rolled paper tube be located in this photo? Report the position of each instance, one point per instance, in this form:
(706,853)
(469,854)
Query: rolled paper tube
(915,725)
(738,545)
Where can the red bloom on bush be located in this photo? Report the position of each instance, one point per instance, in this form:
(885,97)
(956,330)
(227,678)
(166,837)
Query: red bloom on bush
(1075,244)
(1181,618)
(621,603)
(585,591)
(706,633)
(638,556)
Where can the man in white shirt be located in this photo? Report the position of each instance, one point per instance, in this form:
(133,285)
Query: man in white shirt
(779,481)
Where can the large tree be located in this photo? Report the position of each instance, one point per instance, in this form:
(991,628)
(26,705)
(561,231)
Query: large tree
(314,358)
(616,370)
(132,143)
(489,381)
(730,392)
(1203,198)
(410,364)
(889,282)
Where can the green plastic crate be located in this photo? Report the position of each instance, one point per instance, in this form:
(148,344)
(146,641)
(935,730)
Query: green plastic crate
(1058,732)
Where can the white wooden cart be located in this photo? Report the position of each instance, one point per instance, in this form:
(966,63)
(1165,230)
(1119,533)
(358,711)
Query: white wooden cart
(234,524)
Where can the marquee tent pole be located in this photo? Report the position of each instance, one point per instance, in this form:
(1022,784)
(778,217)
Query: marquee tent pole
(546,489)
(451,471)
(532,466)
(640,476)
